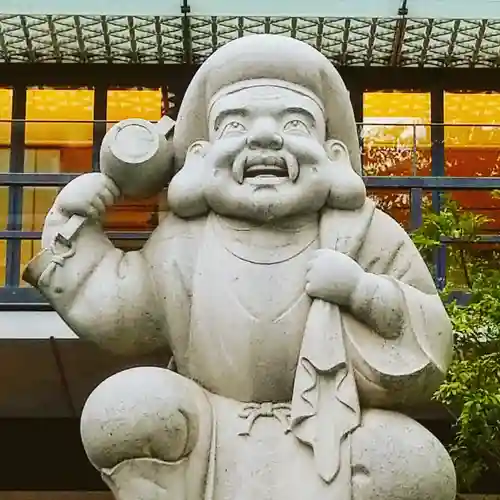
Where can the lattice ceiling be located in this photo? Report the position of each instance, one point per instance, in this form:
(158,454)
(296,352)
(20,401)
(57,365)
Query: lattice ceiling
(346,41)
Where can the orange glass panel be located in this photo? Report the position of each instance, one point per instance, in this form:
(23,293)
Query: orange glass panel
(473,149)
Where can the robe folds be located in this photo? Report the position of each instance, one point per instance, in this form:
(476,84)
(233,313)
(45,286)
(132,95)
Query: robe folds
(140,301)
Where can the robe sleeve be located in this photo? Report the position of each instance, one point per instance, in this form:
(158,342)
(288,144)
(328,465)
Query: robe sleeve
(103,294)
(398,336)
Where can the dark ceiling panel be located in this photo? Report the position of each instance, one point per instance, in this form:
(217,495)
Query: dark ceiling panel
(372,41)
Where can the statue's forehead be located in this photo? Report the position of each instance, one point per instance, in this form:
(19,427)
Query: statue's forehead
(269,97)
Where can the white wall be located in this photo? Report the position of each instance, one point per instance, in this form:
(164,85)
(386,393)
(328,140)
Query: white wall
(33,325)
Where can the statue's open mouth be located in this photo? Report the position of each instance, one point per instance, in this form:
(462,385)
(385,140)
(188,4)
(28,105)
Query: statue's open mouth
(268,166)
(260,170)
(265,168)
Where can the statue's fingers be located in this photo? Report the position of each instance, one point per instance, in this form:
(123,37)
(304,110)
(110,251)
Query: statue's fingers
(317,255)
(311,290)
(93,212)
(312,274)
(112,187)
(108,197)
(98,205)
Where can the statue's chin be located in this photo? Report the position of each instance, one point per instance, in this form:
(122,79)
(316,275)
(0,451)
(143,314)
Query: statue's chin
(266,201)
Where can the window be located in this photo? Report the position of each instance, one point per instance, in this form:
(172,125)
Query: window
(58,139)
(5,131)
(133,215)
(472,148)
(396,142)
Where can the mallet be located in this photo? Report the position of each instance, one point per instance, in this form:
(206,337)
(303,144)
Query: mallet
(137,155)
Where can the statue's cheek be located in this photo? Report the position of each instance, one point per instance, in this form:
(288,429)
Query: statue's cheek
(186,196)
(347,189)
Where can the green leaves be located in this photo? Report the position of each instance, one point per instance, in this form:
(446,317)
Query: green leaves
(471,391)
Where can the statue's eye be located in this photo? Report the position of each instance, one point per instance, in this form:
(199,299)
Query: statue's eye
(233,127)
(296,126)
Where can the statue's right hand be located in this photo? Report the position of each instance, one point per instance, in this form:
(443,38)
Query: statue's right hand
(89,195)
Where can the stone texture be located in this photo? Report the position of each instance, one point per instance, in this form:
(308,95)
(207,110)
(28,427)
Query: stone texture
(301,319)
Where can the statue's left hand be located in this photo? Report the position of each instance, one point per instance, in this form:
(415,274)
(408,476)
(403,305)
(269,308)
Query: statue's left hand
(333,276)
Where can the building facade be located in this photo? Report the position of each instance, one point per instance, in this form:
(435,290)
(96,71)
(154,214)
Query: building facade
(424,82)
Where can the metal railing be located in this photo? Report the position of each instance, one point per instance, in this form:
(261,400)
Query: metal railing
(417,165)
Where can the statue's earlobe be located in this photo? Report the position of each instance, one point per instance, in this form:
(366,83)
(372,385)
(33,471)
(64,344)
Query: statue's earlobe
(347,189)
(186,191)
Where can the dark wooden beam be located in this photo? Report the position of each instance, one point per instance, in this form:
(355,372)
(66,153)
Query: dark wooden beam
(179,75)
(47,455)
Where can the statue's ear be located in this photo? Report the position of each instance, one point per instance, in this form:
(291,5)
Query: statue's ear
(198,148)
(186,190)
(337,151)
(347,190)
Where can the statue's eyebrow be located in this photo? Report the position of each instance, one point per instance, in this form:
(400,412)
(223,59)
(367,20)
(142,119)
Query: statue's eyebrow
(242,112)
(299,111)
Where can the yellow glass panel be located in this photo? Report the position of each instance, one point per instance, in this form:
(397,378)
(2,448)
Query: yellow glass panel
(68,106)
(4,207)
(3,252)
(392,118)
(134,103)
(481,115)
(396,141)
(4,192)
(396,137)
(5,114)
(472,149)
(29,248)
(42,160)
(36,204)
(4,204)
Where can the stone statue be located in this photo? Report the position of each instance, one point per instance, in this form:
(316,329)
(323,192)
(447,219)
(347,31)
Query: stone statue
(301,319)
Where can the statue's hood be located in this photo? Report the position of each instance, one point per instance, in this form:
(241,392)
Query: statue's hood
(274,57)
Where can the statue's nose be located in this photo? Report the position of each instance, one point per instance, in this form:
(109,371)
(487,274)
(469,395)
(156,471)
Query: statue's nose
(264,138)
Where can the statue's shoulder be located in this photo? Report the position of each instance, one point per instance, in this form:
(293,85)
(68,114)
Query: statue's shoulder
(174,236)
(383,240)
(173,230)
(386,228)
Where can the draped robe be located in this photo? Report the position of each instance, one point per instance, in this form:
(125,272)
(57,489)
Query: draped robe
(139,301)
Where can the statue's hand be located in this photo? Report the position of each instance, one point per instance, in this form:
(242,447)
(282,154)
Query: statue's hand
(89,195)
(333,276)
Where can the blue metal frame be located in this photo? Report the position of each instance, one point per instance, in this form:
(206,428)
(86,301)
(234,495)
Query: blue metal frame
(436,184)
(438,169)
(14,297)
(15,220)
(99,127)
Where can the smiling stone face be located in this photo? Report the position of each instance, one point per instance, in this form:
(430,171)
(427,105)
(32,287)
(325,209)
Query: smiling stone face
(267,151)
